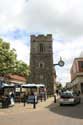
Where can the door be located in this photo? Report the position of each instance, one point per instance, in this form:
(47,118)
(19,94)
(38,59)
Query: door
(81,87)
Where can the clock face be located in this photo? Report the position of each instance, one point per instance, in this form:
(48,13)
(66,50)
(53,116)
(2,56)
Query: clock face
(61,63)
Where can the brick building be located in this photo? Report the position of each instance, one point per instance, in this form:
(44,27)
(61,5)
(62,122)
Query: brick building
(77,74)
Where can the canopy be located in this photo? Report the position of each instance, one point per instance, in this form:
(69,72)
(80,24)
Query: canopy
(33,85)
(29,85)
(5,85)
(40,85)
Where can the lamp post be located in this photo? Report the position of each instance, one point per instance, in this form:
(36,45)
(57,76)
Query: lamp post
(61,64)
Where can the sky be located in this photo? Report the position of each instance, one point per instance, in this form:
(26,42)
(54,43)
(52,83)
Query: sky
(62,18)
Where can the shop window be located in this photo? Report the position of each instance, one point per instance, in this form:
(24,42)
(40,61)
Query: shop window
(81,66)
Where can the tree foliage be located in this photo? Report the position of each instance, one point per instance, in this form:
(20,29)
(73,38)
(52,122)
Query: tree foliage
(9,62)
(58,85)
(21,68)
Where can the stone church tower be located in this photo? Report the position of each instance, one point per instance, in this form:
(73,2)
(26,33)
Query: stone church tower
(41,61)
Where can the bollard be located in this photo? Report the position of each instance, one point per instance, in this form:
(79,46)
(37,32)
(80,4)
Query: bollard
(24,103)
(24,99)
(34,103)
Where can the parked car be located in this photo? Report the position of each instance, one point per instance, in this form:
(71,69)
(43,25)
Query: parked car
(69,97)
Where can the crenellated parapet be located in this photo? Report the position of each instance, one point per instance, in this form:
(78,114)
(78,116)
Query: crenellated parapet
(41,37)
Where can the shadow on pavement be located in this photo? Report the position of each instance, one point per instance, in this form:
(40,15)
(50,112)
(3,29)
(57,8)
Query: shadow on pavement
(75,111)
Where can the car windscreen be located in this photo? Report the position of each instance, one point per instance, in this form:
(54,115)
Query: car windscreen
(66,95)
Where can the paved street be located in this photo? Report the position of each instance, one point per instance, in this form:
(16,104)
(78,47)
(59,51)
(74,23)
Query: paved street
(46,113)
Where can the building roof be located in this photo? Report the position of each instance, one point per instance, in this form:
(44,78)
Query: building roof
(16,77)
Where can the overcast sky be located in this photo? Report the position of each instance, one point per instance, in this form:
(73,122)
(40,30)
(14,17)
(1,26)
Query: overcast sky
(62,18)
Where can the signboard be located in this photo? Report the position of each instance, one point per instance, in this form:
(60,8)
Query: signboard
(32,99)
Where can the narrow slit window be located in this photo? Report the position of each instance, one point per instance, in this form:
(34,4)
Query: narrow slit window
(41,48)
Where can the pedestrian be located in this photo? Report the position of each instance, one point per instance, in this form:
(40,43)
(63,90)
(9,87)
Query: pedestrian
(57,91)
(54,97)
(11,95)
(78,92)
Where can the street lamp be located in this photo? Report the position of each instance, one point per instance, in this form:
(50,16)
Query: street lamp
(60,63)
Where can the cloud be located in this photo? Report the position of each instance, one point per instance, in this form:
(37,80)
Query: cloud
(20,41)
(54,16)
(9,12)
(68,51)
(61,16)
(22,50)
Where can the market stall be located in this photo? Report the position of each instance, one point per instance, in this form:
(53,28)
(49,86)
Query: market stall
(6,95)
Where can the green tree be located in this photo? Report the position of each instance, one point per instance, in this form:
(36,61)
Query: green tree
(59,86)
(7,57)
(22,68)
(9,62)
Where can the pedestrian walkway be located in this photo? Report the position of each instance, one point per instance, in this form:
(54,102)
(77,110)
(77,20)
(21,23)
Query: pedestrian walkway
(42,115)
(47,103)
(19,107)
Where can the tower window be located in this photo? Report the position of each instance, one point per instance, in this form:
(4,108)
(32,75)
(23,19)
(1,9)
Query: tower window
(41,47)
(34,41)
(41,77)
(41,65)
